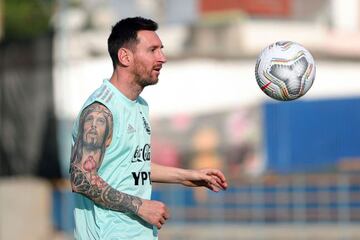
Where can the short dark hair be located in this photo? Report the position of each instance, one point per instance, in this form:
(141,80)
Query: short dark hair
(124,33)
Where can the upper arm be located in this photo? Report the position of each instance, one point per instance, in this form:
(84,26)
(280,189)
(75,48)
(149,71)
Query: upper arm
(94,135)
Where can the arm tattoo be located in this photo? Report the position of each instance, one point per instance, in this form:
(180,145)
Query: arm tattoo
(94,135)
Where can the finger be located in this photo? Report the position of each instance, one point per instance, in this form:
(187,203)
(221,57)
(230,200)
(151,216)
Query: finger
(210,180)
(219,183)
(211,183)
(214,188)
(158,225)
(214,182)
(166,214)
(219,176)
(162,221)
(223,185)
(217,173)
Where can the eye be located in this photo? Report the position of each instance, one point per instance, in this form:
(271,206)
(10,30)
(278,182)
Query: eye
(101,121)
(89,118)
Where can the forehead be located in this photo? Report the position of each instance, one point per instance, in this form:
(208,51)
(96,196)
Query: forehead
(149,38)
(98,113)
(94,114)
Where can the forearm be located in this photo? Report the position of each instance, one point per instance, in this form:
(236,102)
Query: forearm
(213,179)
(165,174)
(96,189)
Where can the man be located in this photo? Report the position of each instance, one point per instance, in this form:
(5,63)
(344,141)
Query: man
(110,162)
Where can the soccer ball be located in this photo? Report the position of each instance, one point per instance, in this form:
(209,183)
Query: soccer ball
(285,70)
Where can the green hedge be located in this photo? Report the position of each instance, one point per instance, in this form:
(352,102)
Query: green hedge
(27,19)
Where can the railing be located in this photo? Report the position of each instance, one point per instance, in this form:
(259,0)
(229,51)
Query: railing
(275,207)
(295,198)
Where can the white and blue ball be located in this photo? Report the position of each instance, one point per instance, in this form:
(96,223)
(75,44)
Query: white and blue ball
(285,70)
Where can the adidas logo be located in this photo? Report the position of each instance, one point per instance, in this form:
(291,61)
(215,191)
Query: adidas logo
(130,129)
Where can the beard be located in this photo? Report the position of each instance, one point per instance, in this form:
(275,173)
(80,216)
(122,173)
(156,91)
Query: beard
(143,82)
(144,77)
(93,142)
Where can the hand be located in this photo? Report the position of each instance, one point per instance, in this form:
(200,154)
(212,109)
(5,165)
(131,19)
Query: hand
(212,179)
(154,212)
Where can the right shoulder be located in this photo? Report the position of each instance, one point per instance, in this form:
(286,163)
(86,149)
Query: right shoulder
(101,96)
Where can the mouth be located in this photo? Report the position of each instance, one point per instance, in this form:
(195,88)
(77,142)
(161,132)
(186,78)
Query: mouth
(157,68)
(92,134)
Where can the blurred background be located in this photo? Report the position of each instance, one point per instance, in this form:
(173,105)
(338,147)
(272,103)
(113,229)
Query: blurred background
(293,167)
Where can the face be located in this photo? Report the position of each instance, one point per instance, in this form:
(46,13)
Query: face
(94,129)
(148,58)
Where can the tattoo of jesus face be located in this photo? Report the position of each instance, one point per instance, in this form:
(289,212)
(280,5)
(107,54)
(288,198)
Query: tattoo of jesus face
(95,127)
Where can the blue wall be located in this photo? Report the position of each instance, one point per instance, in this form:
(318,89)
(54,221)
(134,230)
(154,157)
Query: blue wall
(308,136)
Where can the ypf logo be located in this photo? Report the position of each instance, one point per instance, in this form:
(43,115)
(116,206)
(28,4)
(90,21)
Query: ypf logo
(140,178)
(142,154)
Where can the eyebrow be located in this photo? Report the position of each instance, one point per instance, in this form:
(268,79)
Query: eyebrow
(157,46)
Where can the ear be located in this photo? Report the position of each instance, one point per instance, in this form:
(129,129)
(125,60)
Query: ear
(124,56)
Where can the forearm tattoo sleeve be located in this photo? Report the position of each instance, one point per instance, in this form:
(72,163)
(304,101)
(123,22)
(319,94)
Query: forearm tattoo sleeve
(94,135)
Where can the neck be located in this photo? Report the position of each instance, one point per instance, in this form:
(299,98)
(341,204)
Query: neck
(126,84)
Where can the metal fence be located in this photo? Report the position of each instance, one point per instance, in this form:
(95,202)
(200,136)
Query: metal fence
(325,206)
(270,199)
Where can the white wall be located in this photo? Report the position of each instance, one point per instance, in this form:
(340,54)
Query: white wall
(197,85)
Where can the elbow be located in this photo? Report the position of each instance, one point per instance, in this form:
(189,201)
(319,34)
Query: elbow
(73,185)
(79,181)
(73,188)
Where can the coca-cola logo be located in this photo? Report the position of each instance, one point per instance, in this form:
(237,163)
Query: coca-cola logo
(142,154)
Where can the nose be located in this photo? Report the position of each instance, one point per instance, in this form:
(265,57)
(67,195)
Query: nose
(162,57)
(93,124)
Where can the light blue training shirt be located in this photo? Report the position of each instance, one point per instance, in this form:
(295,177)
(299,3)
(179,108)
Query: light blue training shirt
(125,167)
